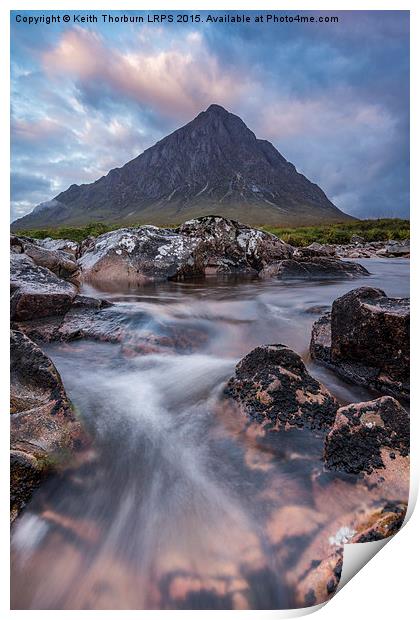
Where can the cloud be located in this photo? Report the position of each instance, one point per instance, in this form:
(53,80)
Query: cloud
(178,83)
(333,100)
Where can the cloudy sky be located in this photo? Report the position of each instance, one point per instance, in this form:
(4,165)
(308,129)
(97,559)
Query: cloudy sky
(333,98)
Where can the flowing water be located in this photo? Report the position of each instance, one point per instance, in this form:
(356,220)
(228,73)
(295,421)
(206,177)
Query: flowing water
(181,503)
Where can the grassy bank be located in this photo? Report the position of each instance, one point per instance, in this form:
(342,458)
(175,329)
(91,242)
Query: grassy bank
(371,230)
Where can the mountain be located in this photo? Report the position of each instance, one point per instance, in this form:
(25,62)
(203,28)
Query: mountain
(213,165)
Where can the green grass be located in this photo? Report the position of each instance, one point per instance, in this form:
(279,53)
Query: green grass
(371,230)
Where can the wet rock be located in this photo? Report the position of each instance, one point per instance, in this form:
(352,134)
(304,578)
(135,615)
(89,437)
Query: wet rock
(368,326)
(381,522)
(366,340)
(63,264)
(138,255)
(313,268)
(273,387)
(36,291)
(44,427)
(320,347)
(87,317)
(227,246)
(360,433)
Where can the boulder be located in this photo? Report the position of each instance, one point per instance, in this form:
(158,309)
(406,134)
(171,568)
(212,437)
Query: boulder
(227,246)
(362,431)
(313,268)
(320,347)
(66,245)
(36,291)
(366,340)
(273,387)
(315,249)
(357,239)
(62,263)
(395,249)
(44,427)
(138,255)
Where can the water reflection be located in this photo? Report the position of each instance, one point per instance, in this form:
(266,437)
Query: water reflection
(185,504)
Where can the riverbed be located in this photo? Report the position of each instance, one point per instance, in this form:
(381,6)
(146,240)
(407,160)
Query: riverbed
(179,503)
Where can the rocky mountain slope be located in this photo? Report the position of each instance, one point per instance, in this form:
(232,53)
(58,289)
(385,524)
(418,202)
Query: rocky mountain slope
(214,164)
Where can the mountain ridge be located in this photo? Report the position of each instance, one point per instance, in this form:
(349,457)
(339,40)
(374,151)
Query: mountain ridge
(213,164)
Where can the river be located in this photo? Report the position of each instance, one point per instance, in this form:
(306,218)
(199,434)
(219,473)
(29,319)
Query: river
(179,504)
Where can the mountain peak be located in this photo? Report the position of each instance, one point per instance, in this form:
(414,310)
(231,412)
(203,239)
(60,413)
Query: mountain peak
(214,164)
(215,108)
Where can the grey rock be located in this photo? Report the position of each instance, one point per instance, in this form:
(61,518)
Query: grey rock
(66,245)
(36,291)
(313,268)
(227,246)
(138,255)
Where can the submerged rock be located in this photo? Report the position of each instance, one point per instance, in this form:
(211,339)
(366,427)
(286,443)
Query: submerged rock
(227,246)
(362,431)
(36,291)
(313,268)
(272,386)
(366,339)
(318,573)
(138,255)
(44,427)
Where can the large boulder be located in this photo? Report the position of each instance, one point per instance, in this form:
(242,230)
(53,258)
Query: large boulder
(60,262)
(227,246)
(273,387)
(44,427)
(312,267)
(36,291)
(138,255)
(366,339)
(362,431)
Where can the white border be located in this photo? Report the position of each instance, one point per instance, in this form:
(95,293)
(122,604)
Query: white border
(387,585)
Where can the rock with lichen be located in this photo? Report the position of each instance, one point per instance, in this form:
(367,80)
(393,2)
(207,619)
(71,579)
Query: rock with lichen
(272,386)
(366,340)
(362,431)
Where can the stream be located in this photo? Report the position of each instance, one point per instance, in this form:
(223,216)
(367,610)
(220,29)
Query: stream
(180,504)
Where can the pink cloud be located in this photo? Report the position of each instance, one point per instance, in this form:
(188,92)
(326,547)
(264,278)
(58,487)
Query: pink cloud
(176,83)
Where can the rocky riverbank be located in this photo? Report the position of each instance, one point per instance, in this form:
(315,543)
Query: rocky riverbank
(364,339)
(360,248)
